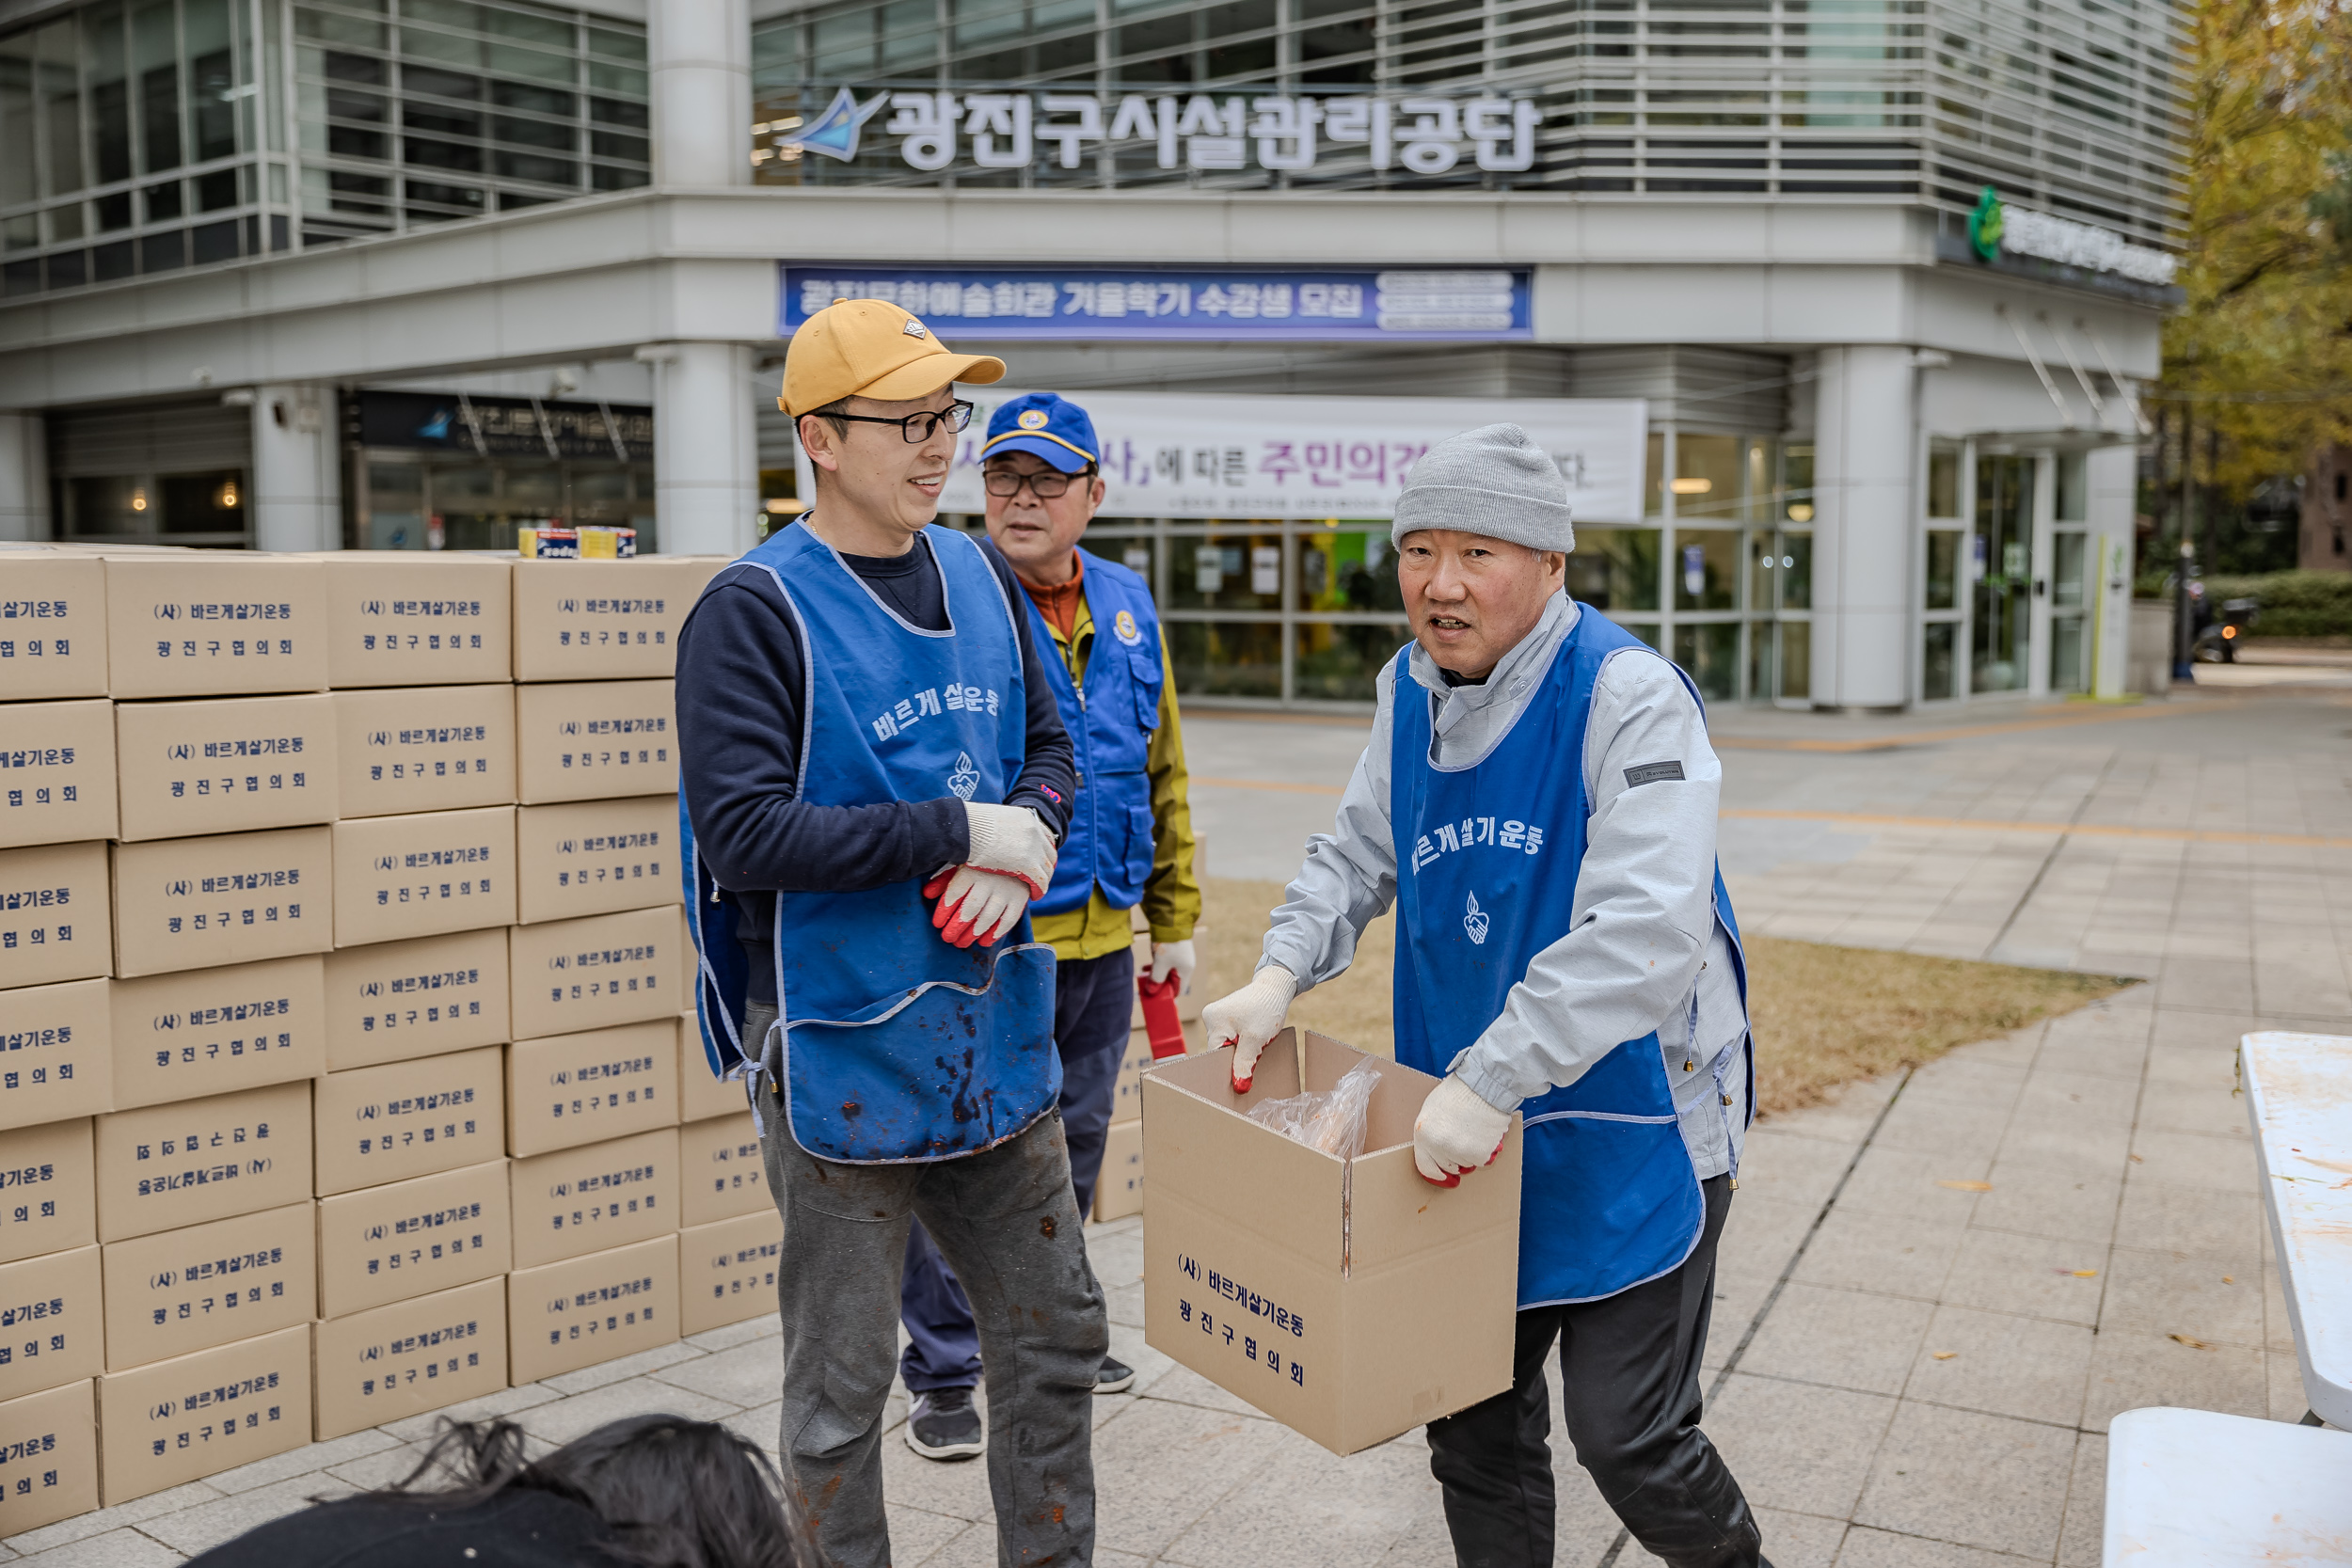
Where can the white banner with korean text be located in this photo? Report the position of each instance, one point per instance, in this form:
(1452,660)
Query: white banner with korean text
(1200,454)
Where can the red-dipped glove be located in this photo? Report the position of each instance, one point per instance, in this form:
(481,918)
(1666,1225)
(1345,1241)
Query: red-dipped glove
(975,904)
(1249,1018)
(1455,1132)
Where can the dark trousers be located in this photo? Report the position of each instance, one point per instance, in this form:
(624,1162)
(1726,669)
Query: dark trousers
(1629,1380)
(1093,1003)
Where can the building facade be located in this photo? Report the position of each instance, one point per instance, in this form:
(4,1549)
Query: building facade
(1832,311)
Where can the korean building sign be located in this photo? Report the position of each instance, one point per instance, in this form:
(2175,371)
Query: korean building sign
(938,132)
(505,427)
(1327,304)
(1176,454)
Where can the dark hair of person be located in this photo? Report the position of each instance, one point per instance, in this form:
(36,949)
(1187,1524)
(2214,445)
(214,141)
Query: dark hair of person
(679,1494)
(830,413)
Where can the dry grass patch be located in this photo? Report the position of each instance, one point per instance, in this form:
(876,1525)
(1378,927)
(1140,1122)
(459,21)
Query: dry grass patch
(1824,1016)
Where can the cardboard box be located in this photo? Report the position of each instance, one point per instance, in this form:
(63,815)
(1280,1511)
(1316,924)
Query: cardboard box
(561,1317)
(604,620)
(397,1001)
(703,1094)
(53,629)
(196,903)
(229,766)
(183,1290)
(596,857)
(410,1358)
(424,875)
(48,1190)
(199,1160)
(573,975)
(196,1416)
(56,768)
(215,624)
(596,740)
(575,1089)
(1119,1190)
(215,1031)
(50,1332)
(379,1124)
(723,1175)
(1128,1090)
(1362,1301)
(402,750)
(417,618)
(57,1056)
(48,1457)
(55,914)
(412,1237)
(727,1271)
(580,1200)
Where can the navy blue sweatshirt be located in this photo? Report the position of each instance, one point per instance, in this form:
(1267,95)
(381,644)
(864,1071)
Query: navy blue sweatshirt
(739,685)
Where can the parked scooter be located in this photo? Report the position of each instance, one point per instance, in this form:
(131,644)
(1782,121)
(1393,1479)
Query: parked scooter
(2217,640)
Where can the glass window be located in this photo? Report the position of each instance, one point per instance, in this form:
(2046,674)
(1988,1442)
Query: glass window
(1944,482)
(1707,476)
(1228,569)
(1940,645)
(1796,658)
(1710,655)
(1943,568)
(1225,659)
(53,77)
(1796,484)
(1614,569)
(1341,569)
(1654,470)
(1342,662)
(155,55)
(2066,578)
(2073,501)
(107,73)
(1706,568)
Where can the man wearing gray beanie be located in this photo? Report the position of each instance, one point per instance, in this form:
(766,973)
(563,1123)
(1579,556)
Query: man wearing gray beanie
(1538,800)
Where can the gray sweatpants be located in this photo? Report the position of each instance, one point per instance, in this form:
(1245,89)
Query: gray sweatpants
(1009,1225)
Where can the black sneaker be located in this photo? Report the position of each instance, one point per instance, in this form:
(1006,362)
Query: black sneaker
(1116,1377)
(942,1424)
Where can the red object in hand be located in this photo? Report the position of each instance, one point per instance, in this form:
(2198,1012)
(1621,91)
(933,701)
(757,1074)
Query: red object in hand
(1159,1016)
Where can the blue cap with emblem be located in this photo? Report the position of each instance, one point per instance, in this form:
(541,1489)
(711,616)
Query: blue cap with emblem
(1047,424)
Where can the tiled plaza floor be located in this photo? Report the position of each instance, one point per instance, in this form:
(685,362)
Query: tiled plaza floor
(1904,1368)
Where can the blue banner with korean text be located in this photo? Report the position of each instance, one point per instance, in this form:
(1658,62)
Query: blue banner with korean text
(1327,305)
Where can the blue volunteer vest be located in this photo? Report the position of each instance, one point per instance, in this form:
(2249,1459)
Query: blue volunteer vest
(1110,721)
(891,1045)
(1488,858)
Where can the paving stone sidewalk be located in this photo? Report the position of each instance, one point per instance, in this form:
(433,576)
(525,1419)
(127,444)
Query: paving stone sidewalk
(1934,1293)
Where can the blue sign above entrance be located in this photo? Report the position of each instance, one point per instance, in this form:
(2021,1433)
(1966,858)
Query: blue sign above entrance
(1327,305)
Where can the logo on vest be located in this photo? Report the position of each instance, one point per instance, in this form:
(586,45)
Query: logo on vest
(964,781)
(1475,922)
(1124,625)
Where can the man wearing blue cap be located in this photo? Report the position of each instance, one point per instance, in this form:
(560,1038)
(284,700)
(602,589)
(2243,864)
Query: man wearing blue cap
(1129,843)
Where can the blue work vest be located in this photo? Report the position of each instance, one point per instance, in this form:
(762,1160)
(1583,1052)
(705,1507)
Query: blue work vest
(891,1045)
(1487,858)
(1110,721)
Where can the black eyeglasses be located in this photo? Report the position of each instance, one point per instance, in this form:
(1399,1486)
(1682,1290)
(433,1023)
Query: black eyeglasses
(918,427)
(1046,484)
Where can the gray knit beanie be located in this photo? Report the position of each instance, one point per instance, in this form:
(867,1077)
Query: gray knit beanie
(1494,481)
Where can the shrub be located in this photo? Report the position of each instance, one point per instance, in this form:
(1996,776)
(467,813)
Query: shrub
(2294,604)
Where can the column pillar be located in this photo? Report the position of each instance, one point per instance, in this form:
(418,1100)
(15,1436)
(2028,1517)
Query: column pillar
(2113,473)
(706,446)
(1865,448)
(699,57)
(24,477)
(298,492)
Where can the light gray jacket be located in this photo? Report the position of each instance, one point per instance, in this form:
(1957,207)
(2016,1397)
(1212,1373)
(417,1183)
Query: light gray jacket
(1644,949)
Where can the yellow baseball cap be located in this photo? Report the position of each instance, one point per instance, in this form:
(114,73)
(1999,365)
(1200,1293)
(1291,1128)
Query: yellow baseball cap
(869,348)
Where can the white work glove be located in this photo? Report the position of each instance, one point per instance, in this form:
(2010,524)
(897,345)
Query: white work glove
(1012,841)
(1249,1018)
(1177,959)
(1455,1132)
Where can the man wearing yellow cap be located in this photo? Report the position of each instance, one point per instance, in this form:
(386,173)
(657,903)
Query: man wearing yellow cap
(874,778)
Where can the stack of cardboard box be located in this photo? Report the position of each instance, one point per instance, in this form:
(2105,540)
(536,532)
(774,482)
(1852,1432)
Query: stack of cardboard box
(341,1073)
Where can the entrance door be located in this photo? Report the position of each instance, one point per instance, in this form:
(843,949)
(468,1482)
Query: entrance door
(2000,616)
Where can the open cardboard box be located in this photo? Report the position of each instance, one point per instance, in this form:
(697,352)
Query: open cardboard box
(1348,1299)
